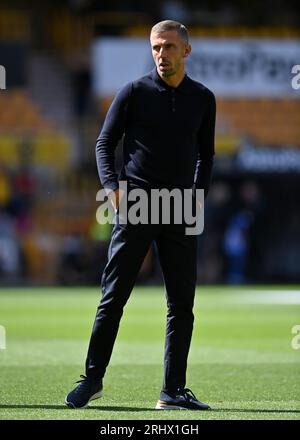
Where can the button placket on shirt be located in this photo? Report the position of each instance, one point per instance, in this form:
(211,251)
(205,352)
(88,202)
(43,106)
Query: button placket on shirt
(173,100)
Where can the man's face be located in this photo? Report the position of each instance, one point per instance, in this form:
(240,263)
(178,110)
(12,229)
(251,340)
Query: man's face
(168,51)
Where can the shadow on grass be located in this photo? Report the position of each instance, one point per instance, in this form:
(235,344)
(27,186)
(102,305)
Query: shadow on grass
(133,409)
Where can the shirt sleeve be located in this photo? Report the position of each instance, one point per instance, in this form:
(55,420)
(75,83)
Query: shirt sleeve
(206,144)
(109,137)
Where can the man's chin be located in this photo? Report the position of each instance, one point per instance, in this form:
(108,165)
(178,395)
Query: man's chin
(166,72)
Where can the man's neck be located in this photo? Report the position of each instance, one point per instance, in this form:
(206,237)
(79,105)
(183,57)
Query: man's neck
(173,80)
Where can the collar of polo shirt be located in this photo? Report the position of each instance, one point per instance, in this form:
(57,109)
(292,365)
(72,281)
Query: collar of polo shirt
(184,86)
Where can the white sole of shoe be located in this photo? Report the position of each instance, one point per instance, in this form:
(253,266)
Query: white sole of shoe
(166,407)
(94,397)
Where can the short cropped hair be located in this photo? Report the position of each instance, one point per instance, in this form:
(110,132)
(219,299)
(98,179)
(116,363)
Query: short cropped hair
(171,25)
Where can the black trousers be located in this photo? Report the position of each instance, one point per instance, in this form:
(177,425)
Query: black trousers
(178,259)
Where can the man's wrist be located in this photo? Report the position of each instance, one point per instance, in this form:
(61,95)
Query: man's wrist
(110,190)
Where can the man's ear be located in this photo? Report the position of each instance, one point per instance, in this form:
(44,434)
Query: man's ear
(187,50)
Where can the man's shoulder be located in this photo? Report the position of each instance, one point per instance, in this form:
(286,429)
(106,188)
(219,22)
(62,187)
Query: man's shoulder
(201,89)
(143,81)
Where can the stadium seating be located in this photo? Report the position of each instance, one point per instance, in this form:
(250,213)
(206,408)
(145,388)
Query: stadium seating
(268,121)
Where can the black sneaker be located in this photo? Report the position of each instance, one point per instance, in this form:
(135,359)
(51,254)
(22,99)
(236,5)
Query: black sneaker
(86,391)
(183,399)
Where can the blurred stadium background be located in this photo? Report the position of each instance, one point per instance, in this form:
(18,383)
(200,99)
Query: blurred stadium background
(64,61)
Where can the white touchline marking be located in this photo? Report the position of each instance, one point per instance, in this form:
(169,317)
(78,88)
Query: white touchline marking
(268,297)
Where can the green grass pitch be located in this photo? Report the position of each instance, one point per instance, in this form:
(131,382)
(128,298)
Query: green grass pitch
(241,360)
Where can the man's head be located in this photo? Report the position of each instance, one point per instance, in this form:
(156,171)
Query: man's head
(170,46)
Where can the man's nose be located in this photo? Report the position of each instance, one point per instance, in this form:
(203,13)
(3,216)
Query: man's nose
(162,51)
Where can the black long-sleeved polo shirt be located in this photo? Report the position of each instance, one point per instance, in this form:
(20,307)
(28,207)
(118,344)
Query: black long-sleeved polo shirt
(168,135)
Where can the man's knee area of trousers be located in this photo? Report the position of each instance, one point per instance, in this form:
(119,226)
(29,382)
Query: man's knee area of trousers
(113,304)
(180,309)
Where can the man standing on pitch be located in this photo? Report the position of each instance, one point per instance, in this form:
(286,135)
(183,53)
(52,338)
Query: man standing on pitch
(168,123)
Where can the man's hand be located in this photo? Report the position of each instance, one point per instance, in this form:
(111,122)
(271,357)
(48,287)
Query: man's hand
(115,198)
